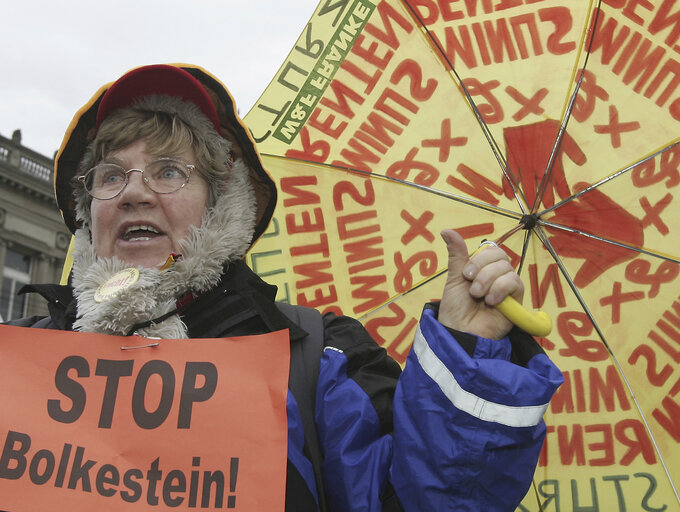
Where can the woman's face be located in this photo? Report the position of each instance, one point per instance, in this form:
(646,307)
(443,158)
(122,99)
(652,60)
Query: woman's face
(139,226)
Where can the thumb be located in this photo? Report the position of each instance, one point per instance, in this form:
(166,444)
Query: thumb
(458,252)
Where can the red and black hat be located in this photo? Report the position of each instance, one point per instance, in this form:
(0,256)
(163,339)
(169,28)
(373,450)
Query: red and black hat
(190,83)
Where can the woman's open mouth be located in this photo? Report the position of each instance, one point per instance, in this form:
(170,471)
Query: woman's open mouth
(140,232)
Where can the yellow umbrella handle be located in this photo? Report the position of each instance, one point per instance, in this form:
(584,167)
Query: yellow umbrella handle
(536,324)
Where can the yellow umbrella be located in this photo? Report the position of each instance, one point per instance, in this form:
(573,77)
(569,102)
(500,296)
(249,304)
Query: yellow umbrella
(549,126)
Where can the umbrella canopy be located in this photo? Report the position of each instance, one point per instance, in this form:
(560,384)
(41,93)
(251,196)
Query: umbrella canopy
(551,127)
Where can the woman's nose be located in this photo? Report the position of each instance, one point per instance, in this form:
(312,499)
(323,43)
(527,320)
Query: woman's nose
(135,190)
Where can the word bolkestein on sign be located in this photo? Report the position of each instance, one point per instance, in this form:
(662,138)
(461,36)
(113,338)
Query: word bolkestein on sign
(95,422)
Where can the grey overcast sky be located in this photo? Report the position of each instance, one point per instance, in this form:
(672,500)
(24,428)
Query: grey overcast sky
(57,53)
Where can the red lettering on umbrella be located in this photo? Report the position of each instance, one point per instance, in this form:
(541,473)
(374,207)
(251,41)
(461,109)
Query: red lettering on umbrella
(647,174)
(427,176)
(324,294)
(369,289)
(427,264)
(316,151)
(653,213)
(604,444)
(492,111)
(529,105)
(616,128)
(630,433)
(590,92)
(446,142)
(417,227)
(655,377)
(638,444)
(638,271)
(617,298)
(325,125)
(668,418)
(571,323)
(663,343)
(551,278)
(604,388)
(477,185)
(385,32)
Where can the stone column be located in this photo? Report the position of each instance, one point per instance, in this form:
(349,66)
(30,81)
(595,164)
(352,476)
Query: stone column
(40,271)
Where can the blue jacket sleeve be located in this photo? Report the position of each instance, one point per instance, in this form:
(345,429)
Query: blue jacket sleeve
(353,411)
(460,429)
(468,424)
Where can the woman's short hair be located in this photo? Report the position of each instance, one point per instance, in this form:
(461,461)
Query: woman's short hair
(168,126)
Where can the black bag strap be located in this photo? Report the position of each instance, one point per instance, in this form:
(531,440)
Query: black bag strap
(305,359)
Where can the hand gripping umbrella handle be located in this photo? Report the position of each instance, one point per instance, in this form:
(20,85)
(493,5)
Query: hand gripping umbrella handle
(536,324)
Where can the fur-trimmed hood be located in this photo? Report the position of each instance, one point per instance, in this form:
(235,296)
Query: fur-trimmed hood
(164,79)
(238,215)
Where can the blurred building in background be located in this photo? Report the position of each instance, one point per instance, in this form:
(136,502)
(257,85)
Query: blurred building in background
(33,238)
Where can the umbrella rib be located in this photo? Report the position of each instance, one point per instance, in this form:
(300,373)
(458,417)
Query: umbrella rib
(403,294)
(546,242)
(565,120)
(640,250)
(454,197)
(611,177)
(525,248)
(495,148)
(581,300)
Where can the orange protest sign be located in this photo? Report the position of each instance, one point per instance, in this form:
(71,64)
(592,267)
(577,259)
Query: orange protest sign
(195,423)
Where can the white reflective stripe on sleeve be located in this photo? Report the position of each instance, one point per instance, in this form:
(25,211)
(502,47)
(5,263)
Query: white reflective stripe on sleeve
(463,400)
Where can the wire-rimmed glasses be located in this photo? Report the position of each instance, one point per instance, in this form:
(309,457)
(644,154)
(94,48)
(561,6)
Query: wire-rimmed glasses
(162,176)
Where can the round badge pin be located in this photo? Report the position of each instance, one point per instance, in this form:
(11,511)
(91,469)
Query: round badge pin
(116,283)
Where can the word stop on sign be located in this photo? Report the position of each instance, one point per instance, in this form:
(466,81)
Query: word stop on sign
(116,370)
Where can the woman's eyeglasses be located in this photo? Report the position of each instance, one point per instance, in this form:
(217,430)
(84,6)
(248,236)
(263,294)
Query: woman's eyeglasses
(162,176)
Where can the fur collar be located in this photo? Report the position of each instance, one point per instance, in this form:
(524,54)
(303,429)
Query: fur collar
(224,235)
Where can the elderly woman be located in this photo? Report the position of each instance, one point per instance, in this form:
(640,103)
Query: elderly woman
(159,179)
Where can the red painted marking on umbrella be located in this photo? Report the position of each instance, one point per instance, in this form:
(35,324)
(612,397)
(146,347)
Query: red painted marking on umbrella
(615,128)
(417,227)
(529,105)
(619,297)
(476,230)
(445,142)
(653,213)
